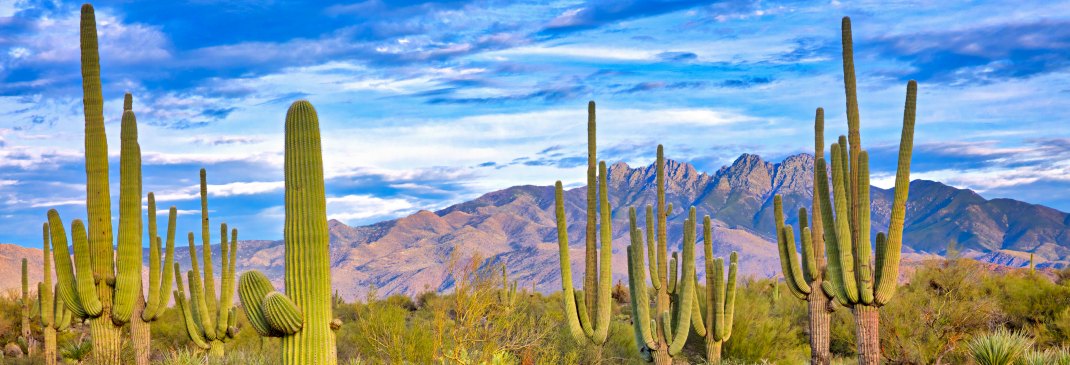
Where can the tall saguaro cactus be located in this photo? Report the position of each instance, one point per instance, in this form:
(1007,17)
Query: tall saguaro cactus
(210,322)
(96,290)
(852,278)
(805,280)
(661,335)
(54,314)
(719,303)
(588,315)
(302,316)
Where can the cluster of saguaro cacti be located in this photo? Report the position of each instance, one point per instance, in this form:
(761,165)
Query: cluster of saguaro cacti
(804,280)
(852,278)
(508,294)
(662,335)
(302,317)
(588,313)
(54,314)
(210,321)
(106,285)
(719,303)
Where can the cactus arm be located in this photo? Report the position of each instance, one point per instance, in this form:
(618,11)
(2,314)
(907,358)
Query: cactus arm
(683,308)
(167,277)
(818,229)
(282,314)
(253,286)
(863,264)
(809,260)
(718,298)
(130,247)
(98,193)
(44,292)
(890,263)
(226,296)
(206,247)
(843,229)
(585,318)
(786,249)
(674,263)
(590,281)
(834,274)
(192,329)
(65,278)
(638,289)
(882,246)
(666,326)
(652,256)
(793,260)
(662,213)
(85,281)
(730,296)
(571,316)
(224,308)
(152,303)
(604,307)
(697,323)
(62,314)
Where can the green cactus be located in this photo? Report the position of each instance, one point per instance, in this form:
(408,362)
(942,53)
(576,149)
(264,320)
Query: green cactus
(302,316)
(53,313)
(589,324)
(1032,266)
(719,303)
(774,294)
(507,296)
(674,297)
(853,280)
(26,303)
(802,279)
(95,290)
(149,310)
(210,322)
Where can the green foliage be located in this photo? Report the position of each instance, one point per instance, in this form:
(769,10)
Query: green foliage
(764,332)
(1001,347)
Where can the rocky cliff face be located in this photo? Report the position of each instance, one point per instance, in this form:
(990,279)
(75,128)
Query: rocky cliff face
(516,226)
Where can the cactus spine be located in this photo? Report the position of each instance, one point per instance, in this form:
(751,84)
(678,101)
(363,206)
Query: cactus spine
(210,322)
(588,315)
(94,290)
(54,314)
(719,303)
(671,320)
(302,316)
(804,279)
(852,279)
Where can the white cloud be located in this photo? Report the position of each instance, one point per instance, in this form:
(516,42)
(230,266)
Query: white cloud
(359,207)
(221,190)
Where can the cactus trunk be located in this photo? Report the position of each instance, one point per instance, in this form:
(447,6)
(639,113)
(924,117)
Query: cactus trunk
(713,350)
(819,327)
(867,322)
(49,353)
(140,335)
(107,337)
(25,332)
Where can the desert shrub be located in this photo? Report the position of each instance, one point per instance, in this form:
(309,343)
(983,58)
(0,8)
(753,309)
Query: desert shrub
(1001,347)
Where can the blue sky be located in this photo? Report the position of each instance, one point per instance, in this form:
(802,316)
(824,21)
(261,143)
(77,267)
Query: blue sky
(424,105)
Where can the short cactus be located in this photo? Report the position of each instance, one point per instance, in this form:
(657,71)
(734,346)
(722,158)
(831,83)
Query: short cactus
(26,302)
(302,316)
(588,315)
(507,296)
(803,279)
(210,322)
(719,303)
(852,278)
(671,320)
(53,313)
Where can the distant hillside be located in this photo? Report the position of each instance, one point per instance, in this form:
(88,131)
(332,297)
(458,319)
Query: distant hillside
(516,226)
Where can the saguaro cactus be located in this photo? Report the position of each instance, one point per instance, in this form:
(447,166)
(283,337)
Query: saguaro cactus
(671,320)
(302,316)
(209,321)
(804,280)
(26,302)
(507,296)
(719,303)
(853,280)
(54,314)
(149,310)
(588,315)
(97,291)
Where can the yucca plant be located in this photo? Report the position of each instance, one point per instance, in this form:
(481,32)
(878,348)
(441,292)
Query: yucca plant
(1037,357)
(1001,347)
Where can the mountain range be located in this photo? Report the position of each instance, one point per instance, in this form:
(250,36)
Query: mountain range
(516,227)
